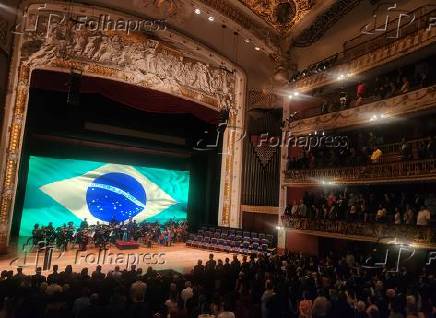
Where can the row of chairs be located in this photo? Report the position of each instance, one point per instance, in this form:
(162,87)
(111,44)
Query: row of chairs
(233,234)
(229,246)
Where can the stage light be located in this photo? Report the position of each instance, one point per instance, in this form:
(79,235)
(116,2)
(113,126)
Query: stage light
(279,228)
(290,96)
(341,77)
(296,93)
(329,183)
(211,19)
(376,117)
(197,11)
(257,48)
(247,40)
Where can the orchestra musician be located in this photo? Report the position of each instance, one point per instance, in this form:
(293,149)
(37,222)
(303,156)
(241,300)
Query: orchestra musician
(104,234)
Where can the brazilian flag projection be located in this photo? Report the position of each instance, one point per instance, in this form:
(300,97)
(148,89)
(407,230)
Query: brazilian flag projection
(64,190)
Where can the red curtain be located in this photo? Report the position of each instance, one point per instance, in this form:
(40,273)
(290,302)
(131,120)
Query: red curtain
(145,99)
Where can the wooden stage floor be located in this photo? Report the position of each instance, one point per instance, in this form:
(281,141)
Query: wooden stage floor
(178,257)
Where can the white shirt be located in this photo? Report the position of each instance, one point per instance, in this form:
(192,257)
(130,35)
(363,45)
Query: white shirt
(423,217)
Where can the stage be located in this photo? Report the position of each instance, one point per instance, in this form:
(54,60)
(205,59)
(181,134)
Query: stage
(178,257)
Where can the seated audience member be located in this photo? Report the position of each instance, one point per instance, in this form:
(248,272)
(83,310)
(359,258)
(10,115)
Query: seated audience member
(405,85)
(409,216)
(381,214)
(360,93)
(406,150)
(423,217)
(361,90)
(376,155)
(422,150)
(288,210)
(397,216)
(302,209)
(431,147)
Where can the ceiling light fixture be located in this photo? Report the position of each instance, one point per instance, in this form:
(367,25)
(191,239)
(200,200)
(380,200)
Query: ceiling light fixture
(197,11)
(247,41)
(211,19)
(257,48)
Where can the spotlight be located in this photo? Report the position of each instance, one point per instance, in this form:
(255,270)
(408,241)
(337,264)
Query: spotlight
(247,40)
(211,19)
(296,93)
(197,11)
(290,96)
(257,48)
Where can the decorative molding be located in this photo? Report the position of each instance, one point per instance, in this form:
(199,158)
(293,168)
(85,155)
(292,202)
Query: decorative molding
(372,232)
(260,209)
(246,22)
(260,99)
(281,15)
(381,56)
(399,106)
(395,172)
(324,22)
(131,58)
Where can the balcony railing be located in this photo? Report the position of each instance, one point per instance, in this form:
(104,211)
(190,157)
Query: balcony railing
(366,43)
(376,173)
(366,52)
(410,102)
(376,232)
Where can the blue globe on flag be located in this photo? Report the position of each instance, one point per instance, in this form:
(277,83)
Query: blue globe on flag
(115,196)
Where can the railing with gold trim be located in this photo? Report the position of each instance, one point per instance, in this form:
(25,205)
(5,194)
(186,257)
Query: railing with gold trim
(416,38)
(387,109)
(375,173)
(376,232)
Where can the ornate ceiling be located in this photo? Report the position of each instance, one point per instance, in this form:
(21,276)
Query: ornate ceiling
(281,15)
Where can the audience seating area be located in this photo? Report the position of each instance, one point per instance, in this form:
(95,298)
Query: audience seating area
(232,240)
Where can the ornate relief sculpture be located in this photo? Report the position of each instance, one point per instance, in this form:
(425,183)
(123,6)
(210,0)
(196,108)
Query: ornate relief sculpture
(145,62)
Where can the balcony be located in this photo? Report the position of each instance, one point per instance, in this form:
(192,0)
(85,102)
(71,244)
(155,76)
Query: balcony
(374,232)
(414,170)
(366,52)
(401,105)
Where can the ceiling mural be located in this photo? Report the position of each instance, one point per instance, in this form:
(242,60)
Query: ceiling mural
(279,14)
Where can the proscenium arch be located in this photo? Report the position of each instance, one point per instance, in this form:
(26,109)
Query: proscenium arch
(132,58)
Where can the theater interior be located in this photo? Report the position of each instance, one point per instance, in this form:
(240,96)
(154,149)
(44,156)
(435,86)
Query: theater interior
(218,158)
